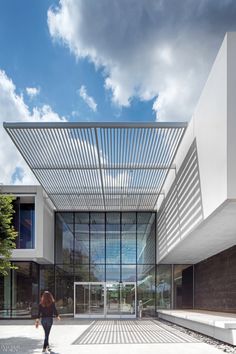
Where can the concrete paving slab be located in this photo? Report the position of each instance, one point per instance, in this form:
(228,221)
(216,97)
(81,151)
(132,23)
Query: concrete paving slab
(22,337)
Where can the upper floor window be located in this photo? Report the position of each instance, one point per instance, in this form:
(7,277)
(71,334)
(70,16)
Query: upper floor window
(24,222)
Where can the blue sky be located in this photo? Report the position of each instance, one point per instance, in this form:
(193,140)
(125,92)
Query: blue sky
(104,60)
(31,58)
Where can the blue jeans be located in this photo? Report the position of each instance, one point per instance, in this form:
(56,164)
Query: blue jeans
(47,324)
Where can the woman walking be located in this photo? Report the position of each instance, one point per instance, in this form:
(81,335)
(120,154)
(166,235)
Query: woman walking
(47,310)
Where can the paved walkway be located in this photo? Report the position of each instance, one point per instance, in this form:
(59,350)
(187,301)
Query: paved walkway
(100,337)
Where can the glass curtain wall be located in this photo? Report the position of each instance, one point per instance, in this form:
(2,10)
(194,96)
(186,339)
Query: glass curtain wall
(146,259)
(163,286)
(19,291)
(24,222)
(47,278)
(25,289)
(183,286)
(5,296)
(113,247)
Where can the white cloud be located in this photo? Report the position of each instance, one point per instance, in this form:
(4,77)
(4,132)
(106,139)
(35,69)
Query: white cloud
(150,49)
(87,99)
(13,168)
(75,114)
(45,114)
(32,91)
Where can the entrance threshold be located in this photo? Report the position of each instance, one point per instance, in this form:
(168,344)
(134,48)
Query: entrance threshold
(105,300)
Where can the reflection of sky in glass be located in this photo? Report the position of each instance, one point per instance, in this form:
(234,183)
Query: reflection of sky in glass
(97,272)
(97,247)
(146,244)
(113,243)
(67,244)
(128,247)
(110,238)
(82,248)
(112,273)
(81,239)
(26,230)
(128,273)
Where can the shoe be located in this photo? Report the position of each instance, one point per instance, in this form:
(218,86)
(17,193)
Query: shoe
(49,349)
(44,350)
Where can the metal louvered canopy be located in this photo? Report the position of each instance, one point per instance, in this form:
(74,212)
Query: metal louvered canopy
(99,166)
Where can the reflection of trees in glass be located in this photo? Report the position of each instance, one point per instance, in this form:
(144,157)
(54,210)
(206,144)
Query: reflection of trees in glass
(81,251)
(47,281)
(99,244)
(146,287)
(97,272)
(64,289)
(64,238)
(81,272)
(163,286)
(85,243)
(24,289)
(146,238)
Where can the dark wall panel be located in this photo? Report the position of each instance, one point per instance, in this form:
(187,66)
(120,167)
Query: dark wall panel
(215,282)
(187,288)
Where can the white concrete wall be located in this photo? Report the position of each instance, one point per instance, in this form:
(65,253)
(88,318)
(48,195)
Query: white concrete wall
(210,129)
(213,124)
(39,223)
(231,112)
(209,126)
(48,230)
(44,225)
(44,220)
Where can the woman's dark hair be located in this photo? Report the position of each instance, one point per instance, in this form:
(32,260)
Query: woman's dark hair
(46,299)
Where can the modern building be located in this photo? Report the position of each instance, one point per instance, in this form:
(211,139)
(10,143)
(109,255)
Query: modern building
(127,212)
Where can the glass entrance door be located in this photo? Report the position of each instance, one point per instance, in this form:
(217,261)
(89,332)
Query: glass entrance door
(81,299)
(97,299)
(89,300)
(105,300)
(113,300)
(128,300)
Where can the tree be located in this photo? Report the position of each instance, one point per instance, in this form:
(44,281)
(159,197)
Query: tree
(7,233)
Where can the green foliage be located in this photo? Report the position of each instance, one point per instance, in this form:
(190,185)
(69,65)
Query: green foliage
(7,233)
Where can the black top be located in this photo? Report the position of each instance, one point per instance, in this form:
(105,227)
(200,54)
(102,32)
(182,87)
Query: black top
(47,311)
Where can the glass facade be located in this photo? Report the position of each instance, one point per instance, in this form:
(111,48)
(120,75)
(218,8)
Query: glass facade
(163,286)
(183,286)
(105,247)
(24,222)
(5,296)
(95,248)
(64,288)
(47,278)
(146,287)
(19,291)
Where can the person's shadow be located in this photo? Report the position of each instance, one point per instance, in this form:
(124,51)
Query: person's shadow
(21,345)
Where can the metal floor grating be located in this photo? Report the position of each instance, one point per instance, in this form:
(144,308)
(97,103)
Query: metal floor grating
(131,332)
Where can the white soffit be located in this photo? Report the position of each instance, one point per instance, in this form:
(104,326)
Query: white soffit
(99,166)
(213,235)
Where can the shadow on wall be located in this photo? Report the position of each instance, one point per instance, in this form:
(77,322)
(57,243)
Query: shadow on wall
(182,209)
